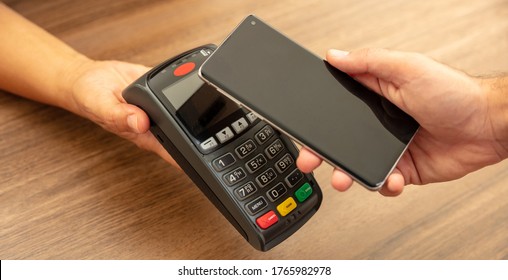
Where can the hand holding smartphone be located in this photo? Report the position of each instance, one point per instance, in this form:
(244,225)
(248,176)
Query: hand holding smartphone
(322,108)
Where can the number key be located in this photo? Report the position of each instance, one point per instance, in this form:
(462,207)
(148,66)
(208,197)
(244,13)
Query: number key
(264,134)
(284,163)
(245,191)
(223,162)
(274,148)
(257,162)
(234,176)
(266,177)
(246,148)
(276,192)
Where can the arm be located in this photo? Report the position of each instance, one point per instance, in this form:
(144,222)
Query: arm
(35,64)
(38,66)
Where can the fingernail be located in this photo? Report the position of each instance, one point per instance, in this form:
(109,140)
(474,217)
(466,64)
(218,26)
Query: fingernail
(337,53)
(132,122)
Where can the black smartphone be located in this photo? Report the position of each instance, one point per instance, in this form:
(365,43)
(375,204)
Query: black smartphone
(243,165)
(324,109)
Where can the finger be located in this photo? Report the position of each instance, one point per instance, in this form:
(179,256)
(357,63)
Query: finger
(159,150)
(387,65)
(341,181)
(369,81)
(156,147)
(307,161)
(148,142)
(394,184)
(339,59)
(127,118)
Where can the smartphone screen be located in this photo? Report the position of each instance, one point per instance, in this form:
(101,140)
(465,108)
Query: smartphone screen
(322,108)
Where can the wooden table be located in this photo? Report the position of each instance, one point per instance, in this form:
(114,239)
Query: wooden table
(69,190)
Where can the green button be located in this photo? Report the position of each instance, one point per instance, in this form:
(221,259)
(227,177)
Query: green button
(303,192)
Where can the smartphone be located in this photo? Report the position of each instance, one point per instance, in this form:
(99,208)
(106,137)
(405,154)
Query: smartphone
(243,165)
(322,108)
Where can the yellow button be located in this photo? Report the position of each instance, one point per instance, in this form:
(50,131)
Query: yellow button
(286,207)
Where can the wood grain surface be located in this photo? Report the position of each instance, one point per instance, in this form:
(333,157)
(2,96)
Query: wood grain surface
(70,190)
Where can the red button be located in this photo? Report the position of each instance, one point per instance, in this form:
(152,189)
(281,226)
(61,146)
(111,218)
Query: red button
(267,220)
(184,69)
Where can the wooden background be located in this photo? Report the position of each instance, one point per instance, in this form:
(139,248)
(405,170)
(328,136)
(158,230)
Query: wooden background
(69,190)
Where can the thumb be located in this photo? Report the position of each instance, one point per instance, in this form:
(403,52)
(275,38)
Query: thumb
(390,66)
(128,118)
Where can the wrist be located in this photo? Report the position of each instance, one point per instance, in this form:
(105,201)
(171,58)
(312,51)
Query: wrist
(69,75)
(496,90)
